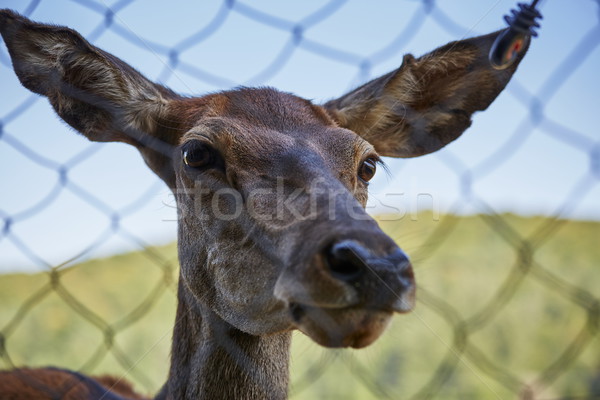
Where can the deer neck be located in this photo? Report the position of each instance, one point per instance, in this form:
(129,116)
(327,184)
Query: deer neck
(211,359)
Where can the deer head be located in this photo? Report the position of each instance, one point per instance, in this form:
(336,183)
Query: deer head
(270,187)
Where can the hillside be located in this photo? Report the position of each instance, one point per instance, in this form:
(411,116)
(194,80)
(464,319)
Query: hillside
(500,301)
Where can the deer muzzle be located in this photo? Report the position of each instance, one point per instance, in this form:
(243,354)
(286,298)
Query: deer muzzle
(348,291)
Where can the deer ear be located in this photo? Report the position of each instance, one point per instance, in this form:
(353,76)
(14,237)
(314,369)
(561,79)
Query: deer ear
(426,103)
(93,91)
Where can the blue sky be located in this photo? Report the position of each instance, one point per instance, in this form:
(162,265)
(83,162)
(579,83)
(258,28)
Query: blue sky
(512,164)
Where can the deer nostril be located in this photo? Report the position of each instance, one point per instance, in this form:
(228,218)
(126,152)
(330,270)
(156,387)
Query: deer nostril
(297,311)
(344,261)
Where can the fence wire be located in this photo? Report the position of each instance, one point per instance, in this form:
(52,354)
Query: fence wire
(462,348)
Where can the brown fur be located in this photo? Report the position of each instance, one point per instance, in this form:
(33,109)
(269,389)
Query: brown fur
(426,103)
(314,262)
(52,384)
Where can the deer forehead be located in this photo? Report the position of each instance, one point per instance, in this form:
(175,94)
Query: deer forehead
(255,128)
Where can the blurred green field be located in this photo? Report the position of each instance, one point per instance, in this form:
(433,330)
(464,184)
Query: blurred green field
(528,308)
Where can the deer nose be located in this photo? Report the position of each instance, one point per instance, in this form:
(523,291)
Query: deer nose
(345,260)
(348,261)
(351,263)
(348,273)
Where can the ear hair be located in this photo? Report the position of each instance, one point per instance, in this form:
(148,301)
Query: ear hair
(427,102)
(93,91)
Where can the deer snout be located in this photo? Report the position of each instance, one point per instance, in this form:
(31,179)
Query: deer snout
(347,293)
(346,273)
(381,282)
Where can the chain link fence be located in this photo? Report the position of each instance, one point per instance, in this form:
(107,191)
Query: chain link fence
(103,340)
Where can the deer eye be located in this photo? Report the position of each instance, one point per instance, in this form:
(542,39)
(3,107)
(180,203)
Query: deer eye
(367,169)
(198,155)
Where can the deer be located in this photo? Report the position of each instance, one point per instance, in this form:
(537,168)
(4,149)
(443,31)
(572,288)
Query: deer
(271,191)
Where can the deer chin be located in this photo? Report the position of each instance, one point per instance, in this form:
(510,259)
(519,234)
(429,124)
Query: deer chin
(340,327)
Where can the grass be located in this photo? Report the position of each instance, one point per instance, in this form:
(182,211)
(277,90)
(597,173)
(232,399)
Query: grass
(524,287)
